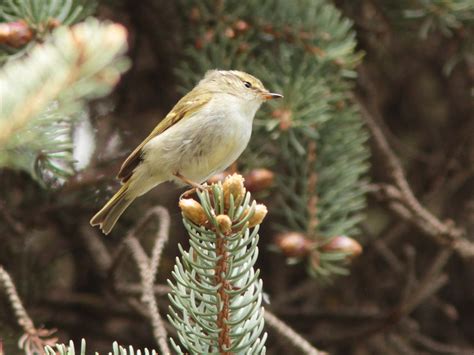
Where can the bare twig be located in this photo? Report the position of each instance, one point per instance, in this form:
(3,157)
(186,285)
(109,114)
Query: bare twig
(34,340)
(20,312)
(436,347)
(432,281)
(161,238)
(107,265)
(147,268)
(293,337)
(401,198)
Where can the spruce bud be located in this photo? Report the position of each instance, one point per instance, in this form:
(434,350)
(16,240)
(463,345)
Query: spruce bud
(15,34)
(343,244)
(259,179)
(294,244)
(193,211)
(224,222)
(258,216)
(233,185)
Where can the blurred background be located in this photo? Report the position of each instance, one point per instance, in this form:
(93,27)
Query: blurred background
(366,165)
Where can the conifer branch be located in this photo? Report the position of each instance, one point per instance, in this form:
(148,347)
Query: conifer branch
(76,64)
(216,295)
(70,349)
(312,64)
(311,190)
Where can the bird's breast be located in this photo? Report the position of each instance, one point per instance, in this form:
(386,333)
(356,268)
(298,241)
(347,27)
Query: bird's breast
(203,144)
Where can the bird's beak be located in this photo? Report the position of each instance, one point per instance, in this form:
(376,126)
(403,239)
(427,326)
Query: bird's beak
(271,96)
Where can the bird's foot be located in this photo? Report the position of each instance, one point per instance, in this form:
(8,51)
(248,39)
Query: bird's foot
(195,186)
(184,179)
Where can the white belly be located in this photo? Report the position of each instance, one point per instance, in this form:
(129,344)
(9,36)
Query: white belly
(200,146)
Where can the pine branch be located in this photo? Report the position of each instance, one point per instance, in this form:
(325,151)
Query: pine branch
(75,65)
(42,16)
(25,22)
(436,15)
(216,296)
(117,349)
(320,197)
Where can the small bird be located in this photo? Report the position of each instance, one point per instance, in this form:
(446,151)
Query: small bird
(203,134)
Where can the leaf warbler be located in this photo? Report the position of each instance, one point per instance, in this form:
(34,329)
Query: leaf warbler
(204,133)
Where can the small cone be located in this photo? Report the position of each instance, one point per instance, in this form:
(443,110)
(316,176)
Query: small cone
(257,218)
(233,185)
(193,211)
(343,244)
(294,244)
(225,224)
(259,179)
(15,34)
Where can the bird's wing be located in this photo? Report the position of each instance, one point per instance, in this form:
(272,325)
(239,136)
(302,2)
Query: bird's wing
(184,109)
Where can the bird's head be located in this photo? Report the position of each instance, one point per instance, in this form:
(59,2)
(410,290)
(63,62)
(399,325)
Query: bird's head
(237,83)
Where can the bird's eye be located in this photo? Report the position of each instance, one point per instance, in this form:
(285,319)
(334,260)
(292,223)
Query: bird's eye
(247,84)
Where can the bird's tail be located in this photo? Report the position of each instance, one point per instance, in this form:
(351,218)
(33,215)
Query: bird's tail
(110,213)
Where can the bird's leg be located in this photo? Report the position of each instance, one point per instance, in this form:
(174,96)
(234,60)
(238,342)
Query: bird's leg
(195,185)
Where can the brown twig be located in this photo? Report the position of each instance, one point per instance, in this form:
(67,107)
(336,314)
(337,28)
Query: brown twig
(34,339)
(107,265)
(20,312)
(436,347)
(293,337)
(401,198)
(161,238)
(147,268)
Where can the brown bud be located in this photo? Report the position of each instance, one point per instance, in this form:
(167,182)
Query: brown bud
(224,222)
(53,23)
(294,244)
(241,26)
(257,218)
(193,211)
(342,244)
(15,34)
(259,179)
(233,185)
(229,32)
